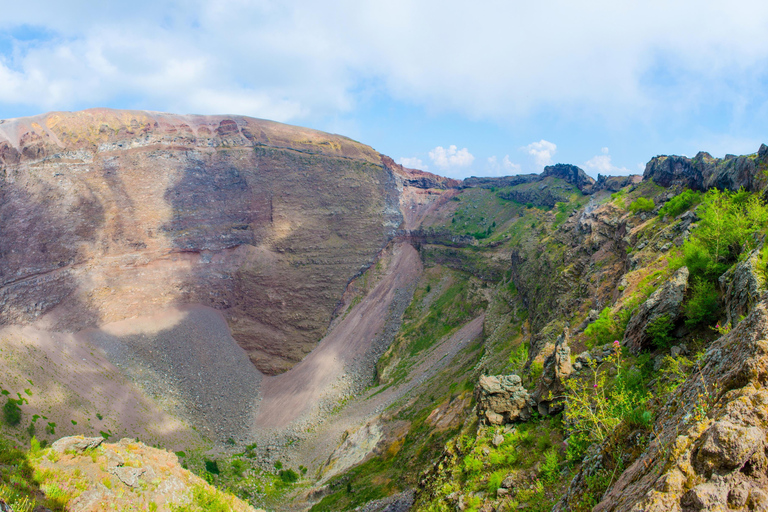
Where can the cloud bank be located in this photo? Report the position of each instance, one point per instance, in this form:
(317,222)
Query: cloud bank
(302,60)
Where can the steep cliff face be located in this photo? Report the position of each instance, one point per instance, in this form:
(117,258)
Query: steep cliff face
(108,214)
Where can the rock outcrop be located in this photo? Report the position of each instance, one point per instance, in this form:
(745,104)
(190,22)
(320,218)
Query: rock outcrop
(709,447)
(111,214)
(126,475)
(549,392)
(703,171)
(502,399)
(664,302)
(571,174)
(743,285)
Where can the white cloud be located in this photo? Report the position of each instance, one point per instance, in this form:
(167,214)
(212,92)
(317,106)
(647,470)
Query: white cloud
(542,152)
(504,168)
(451,157)
(601,164)
(307,59)
(412,163)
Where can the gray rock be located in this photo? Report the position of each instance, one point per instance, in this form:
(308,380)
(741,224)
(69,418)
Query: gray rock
(743,287)
(497,440)
(129,476)
(703,171)
(667,300)
(502,399)
(726,446)
(76,443)
(550,389)
(113,459)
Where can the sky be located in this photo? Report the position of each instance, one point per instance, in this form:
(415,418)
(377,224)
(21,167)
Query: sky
(477,88)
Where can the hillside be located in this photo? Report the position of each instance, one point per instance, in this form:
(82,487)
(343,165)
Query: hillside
(309,325)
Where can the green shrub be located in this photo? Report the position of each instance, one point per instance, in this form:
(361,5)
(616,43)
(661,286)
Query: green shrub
(680,203)
(729,221)
(12,412)
(703,305)
(597,404)
(549,469)
(494,481)
(518,356)
(289,476)
(642,204)
(659,330)
(605,329)
(472,464)
(212,467)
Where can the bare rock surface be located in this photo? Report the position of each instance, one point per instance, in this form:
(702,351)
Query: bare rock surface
(76,443)
(502,399)
(743,286)
(666,301)
(549,391)
(145,479)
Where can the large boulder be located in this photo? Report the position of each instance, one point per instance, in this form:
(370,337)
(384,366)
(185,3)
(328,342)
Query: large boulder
(550,389)
(502,399)
(77,444)
(666,301)
(742,286)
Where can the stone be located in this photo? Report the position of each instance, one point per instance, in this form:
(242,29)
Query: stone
(113,459)
(502,399)
(128,475)
(497,440)
(550,388)
(665,301)
(726,446)
(77,443)
(742,286)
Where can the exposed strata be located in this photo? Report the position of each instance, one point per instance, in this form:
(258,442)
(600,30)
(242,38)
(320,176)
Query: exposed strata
(110,214)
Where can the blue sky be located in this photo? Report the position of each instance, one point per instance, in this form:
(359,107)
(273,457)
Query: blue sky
(457,88)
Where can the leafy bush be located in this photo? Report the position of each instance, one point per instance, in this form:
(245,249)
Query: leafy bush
(680,203)
(605,329)
(596,406)
(288,476)
(212,467)
(472,464)
(12,412)
(659,330)
(518,356)
(642,204)
(729,221)
(702,306)
(551,465)
(494,481)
